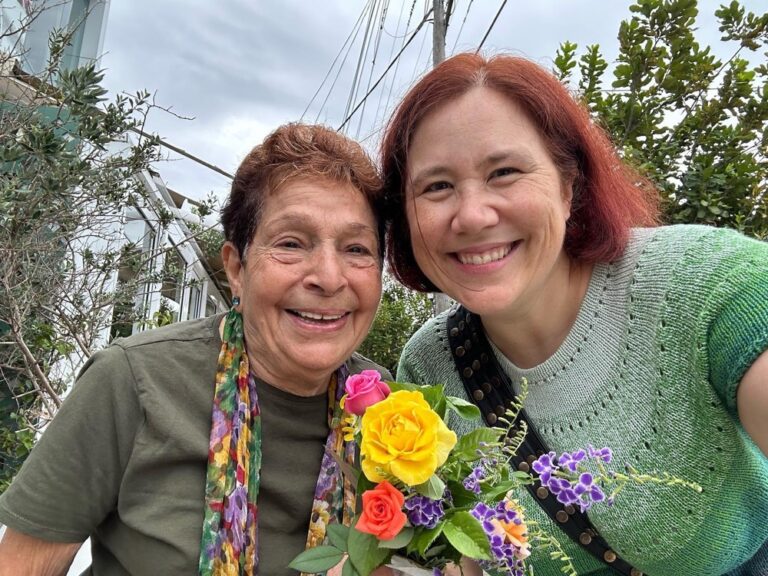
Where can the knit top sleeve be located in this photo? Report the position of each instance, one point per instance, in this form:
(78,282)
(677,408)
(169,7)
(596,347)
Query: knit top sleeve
(738,311)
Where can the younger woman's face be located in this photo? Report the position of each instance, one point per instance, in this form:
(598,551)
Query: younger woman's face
(486,205)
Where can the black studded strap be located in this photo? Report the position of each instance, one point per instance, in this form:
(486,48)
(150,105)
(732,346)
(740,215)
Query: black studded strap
(488,386)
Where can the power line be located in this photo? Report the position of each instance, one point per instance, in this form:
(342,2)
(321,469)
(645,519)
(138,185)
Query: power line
(354,28)
(392,63)
(461,28)
(377,44)
(504,3)
(391,52)
(361,59)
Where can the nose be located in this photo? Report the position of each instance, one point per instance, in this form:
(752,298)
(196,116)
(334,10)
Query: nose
(474,209)
(326,272)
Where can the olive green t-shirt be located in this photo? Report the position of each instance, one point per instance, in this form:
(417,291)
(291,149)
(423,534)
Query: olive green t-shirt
(124,460)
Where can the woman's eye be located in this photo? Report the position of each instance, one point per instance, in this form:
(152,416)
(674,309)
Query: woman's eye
(437,186)
(506,171)
(289,244)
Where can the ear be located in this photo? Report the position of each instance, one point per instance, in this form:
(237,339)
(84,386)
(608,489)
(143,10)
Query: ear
(567,194)
(233,267)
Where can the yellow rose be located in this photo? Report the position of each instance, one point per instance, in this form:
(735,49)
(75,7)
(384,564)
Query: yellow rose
(404,437)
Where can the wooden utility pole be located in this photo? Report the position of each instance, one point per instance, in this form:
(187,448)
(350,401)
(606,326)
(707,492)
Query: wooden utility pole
(438,32)
(441,302)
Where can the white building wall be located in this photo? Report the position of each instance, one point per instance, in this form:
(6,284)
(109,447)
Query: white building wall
(85,18)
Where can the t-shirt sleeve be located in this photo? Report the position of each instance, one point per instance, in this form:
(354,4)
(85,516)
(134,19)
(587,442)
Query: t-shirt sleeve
(70,482)
(738,332)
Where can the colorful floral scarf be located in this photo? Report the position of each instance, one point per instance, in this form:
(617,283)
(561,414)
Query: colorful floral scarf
(230,530)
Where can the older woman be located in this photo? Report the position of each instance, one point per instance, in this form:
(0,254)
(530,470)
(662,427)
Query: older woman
(210,446)
(651,340)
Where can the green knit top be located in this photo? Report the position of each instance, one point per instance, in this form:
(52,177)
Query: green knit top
(650,368)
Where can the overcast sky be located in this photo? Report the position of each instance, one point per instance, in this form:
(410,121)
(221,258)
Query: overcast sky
(240,68)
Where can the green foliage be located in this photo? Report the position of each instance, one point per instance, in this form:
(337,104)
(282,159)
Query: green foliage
(67,170)
(697,126)
(466,535)
(400,314)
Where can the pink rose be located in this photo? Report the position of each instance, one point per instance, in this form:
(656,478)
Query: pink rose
(363,390)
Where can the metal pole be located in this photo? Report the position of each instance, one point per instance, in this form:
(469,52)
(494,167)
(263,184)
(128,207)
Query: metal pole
(441,302)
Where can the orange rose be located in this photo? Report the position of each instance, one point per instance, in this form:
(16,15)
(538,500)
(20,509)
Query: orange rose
(382,512)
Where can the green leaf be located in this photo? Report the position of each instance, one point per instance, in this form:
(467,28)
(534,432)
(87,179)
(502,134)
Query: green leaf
(434,395)
(364,551)
(424,539)
(338,535)
(363,485)
(318,559)
(397,386)
(464,409)
(400,541)
(499,491)
(348,569)
(432,488)
(461,496)
(465,534)
(4,328)
(466,447)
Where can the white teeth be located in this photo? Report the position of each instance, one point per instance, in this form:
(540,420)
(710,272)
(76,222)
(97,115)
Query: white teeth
(313,316)
(484,258)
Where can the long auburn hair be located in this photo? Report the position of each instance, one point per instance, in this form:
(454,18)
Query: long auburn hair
(609,197)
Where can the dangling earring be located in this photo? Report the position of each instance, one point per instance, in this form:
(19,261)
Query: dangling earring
(235,301)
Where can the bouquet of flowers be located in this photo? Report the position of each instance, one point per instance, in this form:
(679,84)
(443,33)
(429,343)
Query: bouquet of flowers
(430,498)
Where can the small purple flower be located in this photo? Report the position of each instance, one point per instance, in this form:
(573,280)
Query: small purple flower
(603,454)
(423,511)
(571,461)
(506,555)
(544,463)
(482,511)
(472,481)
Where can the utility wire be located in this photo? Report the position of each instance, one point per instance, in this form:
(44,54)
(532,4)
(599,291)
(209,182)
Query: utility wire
(397,66)
(504,3)
(355,27)
(377,44)
(392,63)
(461,28)
(391,52)
(361,59)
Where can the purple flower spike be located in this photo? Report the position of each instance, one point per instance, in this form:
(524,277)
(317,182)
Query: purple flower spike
(423,511)
(472,482)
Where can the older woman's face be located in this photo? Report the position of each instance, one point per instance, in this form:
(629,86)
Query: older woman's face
(311,282)
(486,205)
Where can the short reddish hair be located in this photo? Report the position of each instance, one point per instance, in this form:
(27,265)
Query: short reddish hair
(292,152)
(609,197)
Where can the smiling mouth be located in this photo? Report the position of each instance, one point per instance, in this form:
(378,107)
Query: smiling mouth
(318,318)
(479,258)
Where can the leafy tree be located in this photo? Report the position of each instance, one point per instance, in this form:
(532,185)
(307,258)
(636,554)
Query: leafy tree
(696,125)
(400,314)
(68,277)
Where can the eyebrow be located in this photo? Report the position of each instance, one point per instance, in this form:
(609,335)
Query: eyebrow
(510,155)
(300,221)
